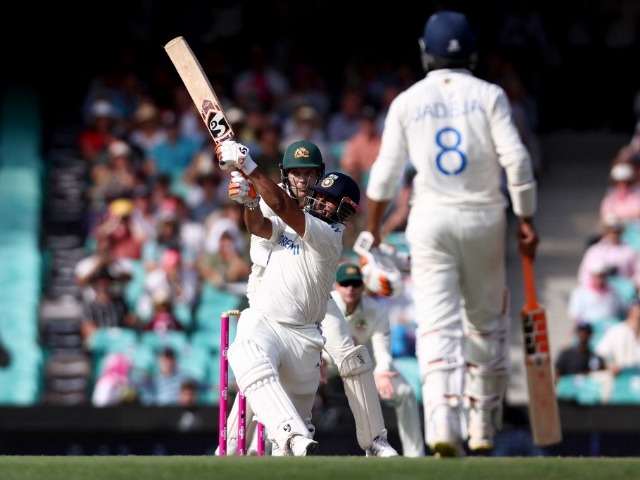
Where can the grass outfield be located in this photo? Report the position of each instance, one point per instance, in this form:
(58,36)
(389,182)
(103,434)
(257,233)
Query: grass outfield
(323,468)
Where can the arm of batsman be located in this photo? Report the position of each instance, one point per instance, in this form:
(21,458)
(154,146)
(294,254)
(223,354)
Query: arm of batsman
(241,189)
(232,154)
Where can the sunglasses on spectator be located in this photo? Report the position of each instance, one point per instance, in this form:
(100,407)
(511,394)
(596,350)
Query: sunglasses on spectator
(351,283)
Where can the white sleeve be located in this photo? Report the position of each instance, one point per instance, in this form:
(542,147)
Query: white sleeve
(389,165)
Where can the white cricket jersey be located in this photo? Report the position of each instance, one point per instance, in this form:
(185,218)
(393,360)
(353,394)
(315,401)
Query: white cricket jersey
(456,130)
(295,286)
(259,252)
(370,326)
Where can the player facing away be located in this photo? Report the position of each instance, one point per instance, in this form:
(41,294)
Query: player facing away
(458,133)
(302,166)
(276,354)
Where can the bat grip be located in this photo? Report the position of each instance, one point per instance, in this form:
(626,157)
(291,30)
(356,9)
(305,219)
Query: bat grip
(528,276)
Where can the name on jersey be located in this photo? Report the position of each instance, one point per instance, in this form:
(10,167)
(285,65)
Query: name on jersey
(289,244)
(448,110)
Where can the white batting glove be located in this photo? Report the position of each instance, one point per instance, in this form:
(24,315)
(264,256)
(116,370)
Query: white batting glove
(241,190)
(400,259)
(232,154)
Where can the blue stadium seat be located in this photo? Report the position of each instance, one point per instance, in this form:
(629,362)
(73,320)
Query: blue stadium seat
(196,362)
(107,340)
(624,286)
(626,387)
(175,339)
(583,389)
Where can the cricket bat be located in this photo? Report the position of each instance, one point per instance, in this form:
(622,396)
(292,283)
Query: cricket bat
(197,84)
(544,416)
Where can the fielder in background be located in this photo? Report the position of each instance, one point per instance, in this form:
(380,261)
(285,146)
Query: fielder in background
(276,354)
(457,130)
(368,320)
(302,166)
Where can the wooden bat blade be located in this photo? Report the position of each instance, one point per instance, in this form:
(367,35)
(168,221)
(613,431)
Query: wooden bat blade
(197,84)
(544,415)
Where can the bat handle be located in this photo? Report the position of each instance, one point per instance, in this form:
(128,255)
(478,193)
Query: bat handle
(528,276)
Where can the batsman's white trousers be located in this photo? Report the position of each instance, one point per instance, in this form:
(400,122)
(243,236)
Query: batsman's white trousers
(294,354)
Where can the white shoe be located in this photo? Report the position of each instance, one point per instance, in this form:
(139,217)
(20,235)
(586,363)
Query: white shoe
(300,446)
(481,431)
(232,447)
(446,438)
(276,451)
(381,448)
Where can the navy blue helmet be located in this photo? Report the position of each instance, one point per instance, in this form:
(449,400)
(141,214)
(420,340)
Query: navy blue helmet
(448,41)
(340,188)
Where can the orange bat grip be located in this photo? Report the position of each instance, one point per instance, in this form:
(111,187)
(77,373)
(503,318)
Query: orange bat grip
(528,275)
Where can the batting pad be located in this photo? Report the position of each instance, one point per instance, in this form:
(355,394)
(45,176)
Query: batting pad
(261,385)
(356,371)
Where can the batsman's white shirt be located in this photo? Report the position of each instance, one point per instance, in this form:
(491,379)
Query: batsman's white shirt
(299,276)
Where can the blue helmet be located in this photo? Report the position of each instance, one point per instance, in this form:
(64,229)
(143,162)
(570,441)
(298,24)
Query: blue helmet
(339,187)
(448,41)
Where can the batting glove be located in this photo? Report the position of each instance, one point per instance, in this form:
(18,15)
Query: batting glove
(400,259)
(232,154)
(380,275)
(241,190)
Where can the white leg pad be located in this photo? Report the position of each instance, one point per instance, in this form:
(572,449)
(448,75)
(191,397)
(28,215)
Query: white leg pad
(261,385)
(356,370)
(487,374)
(442,386)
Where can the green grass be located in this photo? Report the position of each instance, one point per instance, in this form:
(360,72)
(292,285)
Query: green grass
(324,468)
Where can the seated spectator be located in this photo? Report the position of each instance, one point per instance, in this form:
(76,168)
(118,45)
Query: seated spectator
(143,214)
(188,396)
(579,358)
(126,241)
(174,230)
(612,250)
(170,276)
(620,343)
(146,130)
(228,219)
(163,387)
(105,310)
(114,177)
(120,269)
(98,132)
(228,267)
(623,198)
(114,386)
(173,153)
(595,300)
(162,319)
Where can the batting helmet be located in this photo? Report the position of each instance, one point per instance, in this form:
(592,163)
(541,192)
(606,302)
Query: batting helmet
(301,154)
(448,41)
(339,187)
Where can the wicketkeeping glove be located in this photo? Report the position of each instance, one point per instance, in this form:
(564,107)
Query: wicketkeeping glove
(241,190)
(232,154)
